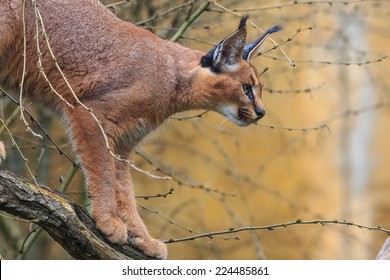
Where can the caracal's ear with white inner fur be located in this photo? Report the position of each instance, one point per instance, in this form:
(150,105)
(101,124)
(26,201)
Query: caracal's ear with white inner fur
(253,49)
(227,54)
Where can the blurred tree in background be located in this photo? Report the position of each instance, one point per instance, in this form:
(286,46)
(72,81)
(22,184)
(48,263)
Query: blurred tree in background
(320,153)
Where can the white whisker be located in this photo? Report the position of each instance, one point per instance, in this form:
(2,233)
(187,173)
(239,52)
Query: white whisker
(221,124)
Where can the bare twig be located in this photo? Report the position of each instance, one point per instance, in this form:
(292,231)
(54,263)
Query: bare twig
(345,63)
(308,90)
(309,2)
(292,64)
(178,179)
(28,242)
(289,39)
(179,118)
(203,6)
(25,161)
(290,128)
(28,128)
(161,15)
(11,118)
(118,3)
(172,222)
(281,225)
(61,152)
(164,195)
(39,53)
(254,236)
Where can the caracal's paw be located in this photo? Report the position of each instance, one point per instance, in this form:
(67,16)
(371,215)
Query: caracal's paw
(149,246)
(114,229)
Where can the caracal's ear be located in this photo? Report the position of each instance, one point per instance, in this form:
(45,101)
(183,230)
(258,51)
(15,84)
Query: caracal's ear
(253,49)
(227,54)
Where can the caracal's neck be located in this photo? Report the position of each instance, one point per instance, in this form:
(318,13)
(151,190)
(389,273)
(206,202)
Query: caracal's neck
(189,93)
(163,80)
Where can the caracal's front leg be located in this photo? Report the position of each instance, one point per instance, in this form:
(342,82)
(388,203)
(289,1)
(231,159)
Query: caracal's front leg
(99,170)
(138,235)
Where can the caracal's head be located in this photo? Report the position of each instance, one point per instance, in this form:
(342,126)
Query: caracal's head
(232,83)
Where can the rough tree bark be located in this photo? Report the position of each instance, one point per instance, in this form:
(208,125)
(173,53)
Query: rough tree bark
(66,222)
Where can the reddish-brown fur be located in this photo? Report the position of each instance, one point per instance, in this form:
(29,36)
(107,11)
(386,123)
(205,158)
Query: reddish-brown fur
(131,79)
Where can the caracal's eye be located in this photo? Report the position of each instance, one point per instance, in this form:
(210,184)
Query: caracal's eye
(247,89)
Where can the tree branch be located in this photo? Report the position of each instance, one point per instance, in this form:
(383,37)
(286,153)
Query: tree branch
(281,225)
(203,7)
(65,221)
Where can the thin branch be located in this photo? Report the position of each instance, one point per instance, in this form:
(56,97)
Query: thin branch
(309,2)
(48,45)
(147,173)
(358,111)
(327,62)
(11,118)
(164,195)
(25,161)
(28,242)
(326,124)
(254,236)
(118,3)
(289,128)
(21,87)
(190,20)
(169,220)
(289,39)
(292,64)
(68,179)
(39,53)
(197,116)
(61,152)
(172,222)
(178,179)
(308,90)
(282,225)
(158,16)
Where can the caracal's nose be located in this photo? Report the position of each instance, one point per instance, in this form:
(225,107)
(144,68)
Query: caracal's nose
(260,112)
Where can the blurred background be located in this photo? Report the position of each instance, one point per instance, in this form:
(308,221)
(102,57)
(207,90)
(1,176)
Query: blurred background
(321,152)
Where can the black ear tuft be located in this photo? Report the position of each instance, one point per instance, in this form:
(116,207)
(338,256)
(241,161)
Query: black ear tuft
(243,21)
(251,50)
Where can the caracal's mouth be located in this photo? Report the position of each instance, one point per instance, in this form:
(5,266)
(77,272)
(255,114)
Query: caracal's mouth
(241,117)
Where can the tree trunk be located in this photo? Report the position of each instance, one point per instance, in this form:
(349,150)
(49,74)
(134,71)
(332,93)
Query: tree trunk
(66,222)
